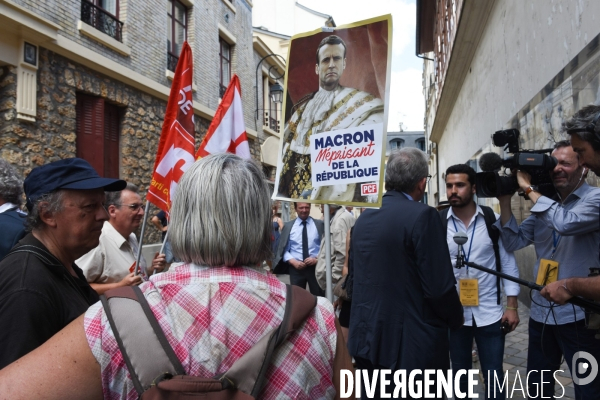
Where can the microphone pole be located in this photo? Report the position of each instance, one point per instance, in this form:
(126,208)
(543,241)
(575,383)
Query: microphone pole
(576,300)
(461,238)
(460,258)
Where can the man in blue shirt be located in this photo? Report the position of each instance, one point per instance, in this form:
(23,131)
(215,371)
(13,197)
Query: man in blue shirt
(298,249)
(565,233)
(584,128)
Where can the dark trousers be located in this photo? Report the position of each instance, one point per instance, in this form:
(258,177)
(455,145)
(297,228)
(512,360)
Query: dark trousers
(300,277)
(364,364)
(490,345)
(548,345)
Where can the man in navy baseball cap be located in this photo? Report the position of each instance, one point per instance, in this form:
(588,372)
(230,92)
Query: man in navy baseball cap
(70,173)
(42,288)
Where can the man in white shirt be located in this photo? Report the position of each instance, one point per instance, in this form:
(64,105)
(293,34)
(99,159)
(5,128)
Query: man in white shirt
(485,319)
(112,263)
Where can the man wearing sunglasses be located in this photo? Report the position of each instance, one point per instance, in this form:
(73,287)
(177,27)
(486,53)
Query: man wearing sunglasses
(112,264)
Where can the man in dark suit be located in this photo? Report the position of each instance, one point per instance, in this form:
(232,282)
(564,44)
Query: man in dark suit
(404,297)
(12,219)
(298,249)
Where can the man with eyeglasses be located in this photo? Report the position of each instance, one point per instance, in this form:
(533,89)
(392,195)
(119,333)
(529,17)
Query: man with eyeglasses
(564,231)
(112,264)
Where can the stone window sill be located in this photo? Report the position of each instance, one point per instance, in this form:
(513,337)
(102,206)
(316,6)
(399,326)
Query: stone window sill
(270,131)
(251,133)
(230,5)
(103,38)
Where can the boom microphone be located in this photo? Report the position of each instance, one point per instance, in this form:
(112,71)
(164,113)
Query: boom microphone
(460,238)
(490,162)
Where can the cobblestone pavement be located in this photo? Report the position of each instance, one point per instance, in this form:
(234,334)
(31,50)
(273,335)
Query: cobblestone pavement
(515,359)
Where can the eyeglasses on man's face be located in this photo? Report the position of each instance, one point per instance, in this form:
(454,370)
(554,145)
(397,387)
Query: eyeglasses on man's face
(132,207)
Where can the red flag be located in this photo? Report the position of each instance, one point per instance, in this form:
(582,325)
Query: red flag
(227,131)
(176,147)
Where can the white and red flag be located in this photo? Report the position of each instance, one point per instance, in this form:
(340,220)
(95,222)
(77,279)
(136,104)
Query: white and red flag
(176,147)
(227,131)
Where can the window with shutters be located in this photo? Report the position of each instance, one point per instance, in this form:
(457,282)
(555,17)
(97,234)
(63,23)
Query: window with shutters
(98,134)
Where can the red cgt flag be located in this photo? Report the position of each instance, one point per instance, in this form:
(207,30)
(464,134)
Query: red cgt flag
(227,131)
(176,147)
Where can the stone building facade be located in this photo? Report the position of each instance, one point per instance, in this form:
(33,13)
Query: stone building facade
(49,57)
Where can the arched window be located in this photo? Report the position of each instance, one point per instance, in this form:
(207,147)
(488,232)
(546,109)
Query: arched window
(396,144)
(420,143)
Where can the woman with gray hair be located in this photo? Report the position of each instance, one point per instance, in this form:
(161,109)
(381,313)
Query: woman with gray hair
(212,308)
(12,219)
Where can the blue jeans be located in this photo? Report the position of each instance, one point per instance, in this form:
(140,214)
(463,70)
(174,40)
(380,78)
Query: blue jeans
(490,346)
(548,345)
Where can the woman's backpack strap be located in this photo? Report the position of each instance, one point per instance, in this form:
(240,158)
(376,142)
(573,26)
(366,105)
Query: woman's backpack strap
(143,344)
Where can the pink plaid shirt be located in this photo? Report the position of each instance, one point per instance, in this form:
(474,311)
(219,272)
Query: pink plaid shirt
(213,315)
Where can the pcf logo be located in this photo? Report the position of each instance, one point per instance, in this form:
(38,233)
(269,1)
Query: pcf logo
(368,188)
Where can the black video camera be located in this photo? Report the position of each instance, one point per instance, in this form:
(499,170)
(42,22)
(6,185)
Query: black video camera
(534,162)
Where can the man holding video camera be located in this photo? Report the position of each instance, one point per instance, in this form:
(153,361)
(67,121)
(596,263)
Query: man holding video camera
(584,128)
(564,231)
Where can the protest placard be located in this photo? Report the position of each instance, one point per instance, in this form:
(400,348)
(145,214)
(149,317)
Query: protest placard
(336,96)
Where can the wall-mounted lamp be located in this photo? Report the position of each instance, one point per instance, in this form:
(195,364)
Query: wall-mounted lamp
(275,90)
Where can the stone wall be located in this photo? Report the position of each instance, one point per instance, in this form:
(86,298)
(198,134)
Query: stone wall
(53,135)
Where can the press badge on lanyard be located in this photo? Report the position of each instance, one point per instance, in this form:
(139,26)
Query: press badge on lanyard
(548,269)
(469,292)
(468,288)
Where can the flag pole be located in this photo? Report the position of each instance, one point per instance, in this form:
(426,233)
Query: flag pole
(162,248)
(328,280)
(176,146)
(139,254)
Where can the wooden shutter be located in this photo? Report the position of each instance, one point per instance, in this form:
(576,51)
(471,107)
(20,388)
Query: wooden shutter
(111,141)
(90,130)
